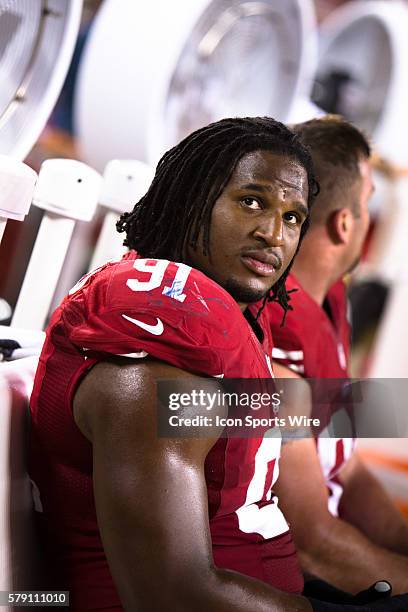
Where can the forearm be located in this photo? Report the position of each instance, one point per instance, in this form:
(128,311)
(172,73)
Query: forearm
(340,554)
(366,505)
(221,590)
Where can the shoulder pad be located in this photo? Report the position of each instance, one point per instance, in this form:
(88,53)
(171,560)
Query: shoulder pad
(151,306)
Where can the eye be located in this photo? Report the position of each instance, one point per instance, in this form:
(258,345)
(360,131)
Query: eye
(292,218)
(252,203)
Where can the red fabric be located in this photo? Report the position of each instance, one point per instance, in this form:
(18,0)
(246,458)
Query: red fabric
(322,344)
(272,561)
(205,333)
(309,329)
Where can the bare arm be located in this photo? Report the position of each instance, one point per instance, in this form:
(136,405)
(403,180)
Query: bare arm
(387,527)
(151,502)
(329,547)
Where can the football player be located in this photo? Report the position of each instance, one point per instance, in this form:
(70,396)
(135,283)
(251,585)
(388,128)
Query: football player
(345,526)
(133,520)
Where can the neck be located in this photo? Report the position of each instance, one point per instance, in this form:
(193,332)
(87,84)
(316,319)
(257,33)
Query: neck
(315,268)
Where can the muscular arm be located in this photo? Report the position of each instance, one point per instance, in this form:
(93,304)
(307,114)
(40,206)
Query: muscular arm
(329,547)
(151,502)
(362,492)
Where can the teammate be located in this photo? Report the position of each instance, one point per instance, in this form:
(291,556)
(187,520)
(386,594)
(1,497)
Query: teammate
(144,522)
(345,527)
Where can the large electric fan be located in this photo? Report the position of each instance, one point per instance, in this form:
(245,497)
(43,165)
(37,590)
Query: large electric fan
(152,74)
(363,75)
(37,38)
(362,71)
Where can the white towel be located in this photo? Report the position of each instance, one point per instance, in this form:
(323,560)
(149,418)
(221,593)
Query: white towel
(20,343)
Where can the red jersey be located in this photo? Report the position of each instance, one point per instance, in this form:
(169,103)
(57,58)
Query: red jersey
(133,308)
(315,343)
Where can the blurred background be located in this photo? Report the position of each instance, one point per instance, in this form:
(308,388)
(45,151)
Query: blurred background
(137,77)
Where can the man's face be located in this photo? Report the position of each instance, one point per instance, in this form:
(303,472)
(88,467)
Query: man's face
(361,220)
(255,225)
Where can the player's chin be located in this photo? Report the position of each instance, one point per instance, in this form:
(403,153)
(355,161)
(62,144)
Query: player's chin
(247,292)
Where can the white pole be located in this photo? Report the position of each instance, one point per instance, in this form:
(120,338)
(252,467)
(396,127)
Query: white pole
(17,182)
(110,242)
(125,181)
(68,190)
(43,271)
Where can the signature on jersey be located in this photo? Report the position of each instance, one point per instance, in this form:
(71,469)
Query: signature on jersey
(175,290)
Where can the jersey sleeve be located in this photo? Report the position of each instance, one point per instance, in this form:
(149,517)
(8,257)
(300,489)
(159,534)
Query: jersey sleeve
(288,343)
(158,308)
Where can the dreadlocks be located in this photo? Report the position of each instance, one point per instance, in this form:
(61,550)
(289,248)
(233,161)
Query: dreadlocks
(189,179)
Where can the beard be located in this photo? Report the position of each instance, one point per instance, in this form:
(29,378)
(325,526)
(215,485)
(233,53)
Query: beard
(243,294)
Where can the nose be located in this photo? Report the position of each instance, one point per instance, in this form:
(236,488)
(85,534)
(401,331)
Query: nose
(270,230)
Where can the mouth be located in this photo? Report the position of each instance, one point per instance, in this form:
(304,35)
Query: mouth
(263,264)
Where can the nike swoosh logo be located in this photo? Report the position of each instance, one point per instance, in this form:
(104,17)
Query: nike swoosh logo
(156,330)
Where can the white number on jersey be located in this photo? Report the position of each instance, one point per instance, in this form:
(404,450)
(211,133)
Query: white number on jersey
(157,269)
(268,521)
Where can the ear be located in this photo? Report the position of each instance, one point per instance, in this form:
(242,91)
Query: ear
(340,225)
